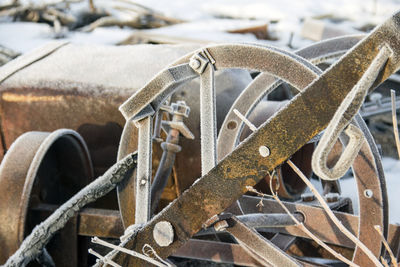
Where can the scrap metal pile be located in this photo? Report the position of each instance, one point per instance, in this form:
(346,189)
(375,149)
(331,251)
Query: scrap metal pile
(215,154)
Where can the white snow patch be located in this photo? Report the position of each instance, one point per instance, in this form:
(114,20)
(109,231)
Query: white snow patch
(25,36)
(392,176)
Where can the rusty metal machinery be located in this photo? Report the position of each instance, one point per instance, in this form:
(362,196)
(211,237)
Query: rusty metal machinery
(205,133)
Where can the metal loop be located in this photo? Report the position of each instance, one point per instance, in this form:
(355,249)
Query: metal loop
(344,114)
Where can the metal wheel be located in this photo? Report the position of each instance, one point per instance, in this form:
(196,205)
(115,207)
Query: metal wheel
(41,170)
(272,63)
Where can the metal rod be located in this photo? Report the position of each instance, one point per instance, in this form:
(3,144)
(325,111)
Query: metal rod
(259,247)
(245,120)
(261,222)
(170,148)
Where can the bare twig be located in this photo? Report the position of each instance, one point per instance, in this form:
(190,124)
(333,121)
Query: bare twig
(91,6)
(33,245)
(97,240)
(384,262)
(103,259)
(332,216)
(385,243)
(302,226)
(394,119)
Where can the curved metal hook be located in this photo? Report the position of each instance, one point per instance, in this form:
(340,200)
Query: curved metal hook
(344,114)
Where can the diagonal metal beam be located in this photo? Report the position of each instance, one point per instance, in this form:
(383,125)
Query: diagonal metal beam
(304,117)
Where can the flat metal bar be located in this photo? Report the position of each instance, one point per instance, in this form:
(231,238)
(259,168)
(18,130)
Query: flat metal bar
(208,120)
(315,220)
(108,223)
(304,117)
(261,221)
(257,220)
(283,241)
(258,246)
(91,222)
(216,252)
(143,177)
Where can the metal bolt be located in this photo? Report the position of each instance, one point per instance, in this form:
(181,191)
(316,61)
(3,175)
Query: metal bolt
(163,233)
(307,197)
(180,108)
(376,98)
(221,226)
(143,181)
(194,63)
(264,151)
(332,197)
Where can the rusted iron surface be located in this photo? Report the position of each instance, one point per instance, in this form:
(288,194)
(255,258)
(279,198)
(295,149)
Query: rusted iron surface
(257,246)
(31,172)
(290,186)
(108,223)
(283,134)
(289,133)
(188,158)
(80,94)
(167,81)
(265,83)
(229,83)
(91,222)
(216,252)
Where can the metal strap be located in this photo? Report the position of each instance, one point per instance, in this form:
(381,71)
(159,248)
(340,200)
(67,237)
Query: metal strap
(345,113)
(143,177)
(258,247)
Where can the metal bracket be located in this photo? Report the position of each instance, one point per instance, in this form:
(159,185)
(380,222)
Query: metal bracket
(199,61)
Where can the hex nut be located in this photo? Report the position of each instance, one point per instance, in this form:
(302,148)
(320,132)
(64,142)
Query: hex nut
(163,233)
(307,197)
(332,197)
(194,63)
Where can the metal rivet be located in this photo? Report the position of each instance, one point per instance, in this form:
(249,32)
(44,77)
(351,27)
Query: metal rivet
(368,193)
(264,151)
(231,125)
(163,233)
(194,63)
(143,181)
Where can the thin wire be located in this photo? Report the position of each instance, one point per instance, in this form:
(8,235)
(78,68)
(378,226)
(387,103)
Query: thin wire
(97,240)
(103,259)
(245,120)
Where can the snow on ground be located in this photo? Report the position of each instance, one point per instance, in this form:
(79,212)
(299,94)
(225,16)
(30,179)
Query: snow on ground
(209,20)
(25,36)
(392,175)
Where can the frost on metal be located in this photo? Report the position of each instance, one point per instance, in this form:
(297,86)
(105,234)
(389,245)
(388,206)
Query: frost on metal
(34,244)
